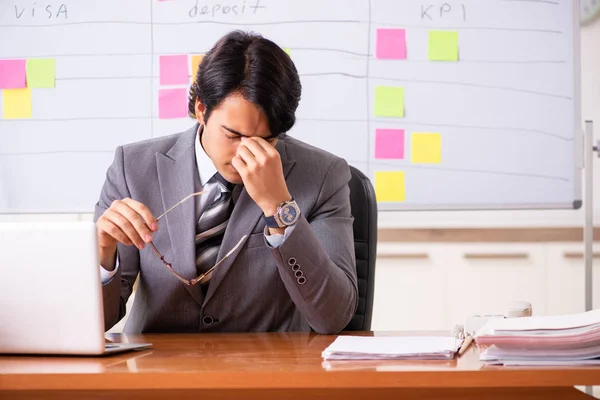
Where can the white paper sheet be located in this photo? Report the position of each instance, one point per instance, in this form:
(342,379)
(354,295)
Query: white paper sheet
(391,347)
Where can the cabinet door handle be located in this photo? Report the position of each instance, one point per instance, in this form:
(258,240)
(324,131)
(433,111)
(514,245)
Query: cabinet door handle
(410,256)
(498,256)
(580,254)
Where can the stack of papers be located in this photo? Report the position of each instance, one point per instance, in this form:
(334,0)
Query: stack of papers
(392,347)
(572,339)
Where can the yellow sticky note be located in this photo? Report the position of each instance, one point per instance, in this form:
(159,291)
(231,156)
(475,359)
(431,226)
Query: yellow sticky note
(426,148)
(287,51)
(40,73)
(389,186)
(389,101)
(195,63)
(443,45)
(16,103)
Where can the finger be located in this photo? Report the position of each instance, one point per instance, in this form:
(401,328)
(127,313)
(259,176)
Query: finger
(239,166)
(142,210)
(106,225)
(125,225)
(256,149)
(134,219)
(110,229)
(267,147)
(247,157)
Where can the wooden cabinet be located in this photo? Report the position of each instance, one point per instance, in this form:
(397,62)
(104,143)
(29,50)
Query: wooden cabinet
(438,285)
(486,277)
(410,287)
(566,281)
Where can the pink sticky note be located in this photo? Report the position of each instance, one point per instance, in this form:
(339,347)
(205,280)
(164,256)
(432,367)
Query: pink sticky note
(13,74)
(172,103)
(174,70)
(389,143)
(391,44)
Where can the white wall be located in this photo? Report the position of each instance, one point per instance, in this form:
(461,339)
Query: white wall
(590,87)
(590,80)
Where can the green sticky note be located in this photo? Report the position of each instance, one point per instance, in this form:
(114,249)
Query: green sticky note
(287,50)
(40,73)
(389,101)
(443,45)
(390,186)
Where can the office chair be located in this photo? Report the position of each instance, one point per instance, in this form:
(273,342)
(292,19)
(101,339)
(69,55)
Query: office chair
(363,206)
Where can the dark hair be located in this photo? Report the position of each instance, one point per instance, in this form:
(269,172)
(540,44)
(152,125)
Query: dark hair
(256,67)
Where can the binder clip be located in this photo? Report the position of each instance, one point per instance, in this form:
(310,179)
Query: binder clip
(458,332)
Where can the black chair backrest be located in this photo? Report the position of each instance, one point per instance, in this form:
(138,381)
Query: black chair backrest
(364,210)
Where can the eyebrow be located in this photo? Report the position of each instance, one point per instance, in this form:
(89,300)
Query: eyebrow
(241,134)
(233,131)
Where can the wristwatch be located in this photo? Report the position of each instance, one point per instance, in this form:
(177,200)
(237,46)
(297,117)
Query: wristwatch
(287,214)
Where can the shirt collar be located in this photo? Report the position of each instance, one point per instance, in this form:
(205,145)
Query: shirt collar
(206,168)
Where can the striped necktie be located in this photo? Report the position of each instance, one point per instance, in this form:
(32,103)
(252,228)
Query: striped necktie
(211,225)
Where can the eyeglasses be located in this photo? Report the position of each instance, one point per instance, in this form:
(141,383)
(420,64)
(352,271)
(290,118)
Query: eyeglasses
(205,276)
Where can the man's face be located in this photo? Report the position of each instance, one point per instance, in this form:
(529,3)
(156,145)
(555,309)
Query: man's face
(233,119)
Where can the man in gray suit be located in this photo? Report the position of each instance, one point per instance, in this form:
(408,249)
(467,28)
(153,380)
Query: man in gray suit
(266,246)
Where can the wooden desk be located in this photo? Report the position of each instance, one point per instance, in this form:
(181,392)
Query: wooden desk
(274,366)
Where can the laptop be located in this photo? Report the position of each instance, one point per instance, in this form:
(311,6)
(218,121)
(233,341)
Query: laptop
(50,291)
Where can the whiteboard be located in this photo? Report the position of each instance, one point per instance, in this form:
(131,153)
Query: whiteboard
(504,117)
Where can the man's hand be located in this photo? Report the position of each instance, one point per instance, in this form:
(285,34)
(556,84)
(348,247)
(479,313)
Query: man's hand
(259,165)
(125,221)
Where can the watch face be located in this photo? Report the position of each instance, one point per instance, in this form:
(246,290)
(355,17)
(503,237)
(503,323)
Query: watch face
(590,9)
(288,214)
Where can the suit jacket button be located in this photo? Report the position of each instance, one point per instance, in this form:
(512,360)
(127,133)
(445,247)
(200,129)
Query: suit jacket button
(291,261)
(301,280)
(208,320)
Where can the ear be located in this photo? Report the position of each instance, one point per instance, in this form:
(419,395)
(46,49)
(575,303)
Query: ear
(200,108)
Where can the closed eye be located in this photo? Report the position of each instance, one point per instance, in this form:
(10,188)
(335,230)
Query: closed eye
(229,134)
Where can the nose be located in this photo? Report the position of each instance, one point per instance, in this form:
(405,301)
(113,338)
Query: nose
(235,146)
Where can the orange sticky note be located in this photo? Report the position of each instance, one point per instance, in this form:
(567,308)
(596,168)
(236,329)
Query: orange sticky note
(194,64)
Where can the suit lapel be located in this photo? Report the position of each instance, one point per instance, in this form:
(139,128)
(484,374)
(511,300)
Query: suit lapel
(242,221)
(177,173)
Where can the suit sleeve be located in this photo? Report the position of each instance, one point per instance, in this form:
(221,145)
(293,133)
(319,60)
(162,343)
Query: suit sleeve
(117,290)
(317,261)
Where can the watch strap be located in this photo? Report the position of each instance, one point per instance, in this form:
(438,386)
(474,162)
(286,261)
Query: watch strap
(272,222)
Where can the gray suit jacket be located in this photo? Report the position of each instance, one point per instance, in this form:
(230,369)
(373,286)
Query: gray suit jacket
(255,289)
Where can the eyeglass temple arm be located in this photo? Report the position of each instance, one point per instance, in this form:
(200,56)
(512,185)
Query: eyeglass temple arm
(168,265)
(184,199)
(242,240)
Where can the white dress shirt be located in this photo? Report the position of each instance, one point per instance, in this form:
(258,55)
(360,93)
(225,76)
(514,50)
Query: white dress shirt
(207,171)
